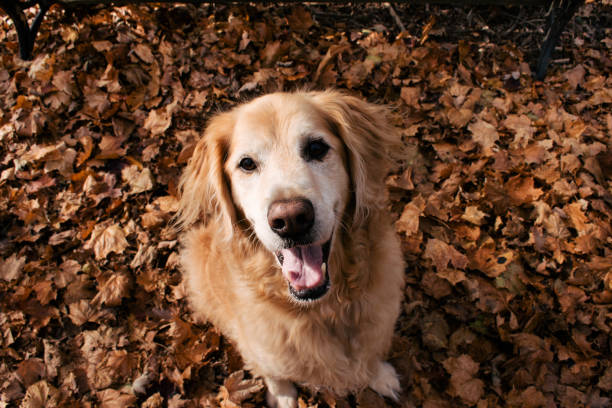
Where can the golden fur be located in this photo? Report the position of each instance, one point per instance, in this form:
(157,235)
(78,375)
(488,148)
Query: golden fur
(234,280)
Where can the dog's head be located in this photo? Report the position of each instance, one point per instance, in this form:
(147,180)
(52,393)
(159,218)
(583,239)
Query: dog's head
(294,168)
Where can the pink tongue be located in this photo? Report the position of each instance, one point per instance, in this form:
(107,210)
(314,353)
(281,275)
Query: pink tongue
(302,266)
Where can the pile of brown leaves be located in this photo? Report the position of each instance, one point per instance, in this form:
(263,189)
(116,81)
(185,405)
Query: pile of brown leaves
(503,201)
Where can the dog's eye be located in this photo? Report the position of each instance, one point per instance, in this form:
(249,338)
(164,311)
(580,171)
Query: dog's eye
(247,164)
(315,149)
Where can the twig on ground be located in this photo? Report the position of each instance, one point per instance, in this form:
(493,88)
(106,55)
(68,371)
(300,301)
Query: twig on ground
(398,21)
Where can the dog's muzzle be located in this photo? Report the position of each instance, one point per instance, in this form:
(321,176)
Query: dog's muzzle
(305,269)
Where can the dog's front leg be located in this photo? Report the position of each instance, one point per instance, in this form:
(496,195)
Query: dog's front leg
(385,381)
(281,393)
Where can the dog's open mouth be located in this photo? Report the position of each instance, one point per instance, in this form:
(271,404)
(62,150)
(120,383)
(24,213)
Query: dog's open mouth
(305,268)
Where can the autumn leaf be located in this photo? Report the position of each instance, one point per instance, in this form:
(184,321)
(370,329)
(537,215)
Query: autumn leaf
(82,312)
(410,96)
(459,117)
(522,190)
(111,398)
(30,371)
(45,292)
(236,389)
(158,121)
(575,76)
(485,135)
(528,398)
(522,128)
(154,401)
(367,398)
(11,268)
(300,19)
(453,276)
(144,53)
(490,261)
(139,180)
(473,215)
(105,239)
(409,220)
(41,395)
(442,254)
(113,290)
(463,383)
(435,331)
(52,358)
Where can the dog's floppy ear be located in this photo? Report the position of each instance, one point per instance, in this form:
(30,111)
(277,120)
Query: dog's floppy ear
(372,143)
(204,188)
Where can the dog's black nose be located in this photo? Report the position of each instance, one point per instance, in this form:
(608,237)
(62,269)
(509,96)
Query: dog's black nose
(291,218)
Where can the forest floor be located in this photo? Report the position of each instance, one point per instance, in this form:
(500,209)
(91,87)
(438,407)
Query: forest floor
(503,199)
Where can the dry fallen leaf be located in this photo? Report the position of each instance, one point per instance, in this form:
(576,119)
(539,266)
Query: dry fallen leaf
(41,395)
(110,398)
(105,239)
(463,383)
(485,135)
(409,221)
(522,190)
(522,128)
(113,290)
(11,268)
(473,215)
(139,180)
(236,389)
(158,121)
(82,312)
(442,254)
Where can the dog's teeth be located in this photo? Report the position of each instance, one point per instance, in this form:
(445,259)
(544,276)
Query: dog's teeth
(324,268)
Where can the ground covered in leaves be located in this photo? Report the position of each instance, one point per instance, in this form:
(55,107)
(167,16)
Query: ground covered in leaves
(503,200)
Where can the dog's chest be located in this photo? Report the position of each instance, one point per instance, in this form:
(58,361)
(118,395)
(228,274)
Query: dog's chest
(310,348)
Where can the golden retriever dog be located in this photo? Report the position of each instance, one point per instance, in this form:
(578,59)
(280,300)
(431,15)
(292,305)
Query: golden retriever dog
(288,246)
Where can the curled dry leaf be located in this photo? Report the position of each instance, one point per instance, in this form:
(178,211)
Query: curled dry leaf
(521,190)
(82,312)
(528,398)
(139,180)
(105,239)
(473,215)
(463,384)
(144,53)
(52,358)
(442,254)
(575,76)
(30,371)
(41,395)
(158,121)
(522,128)
(113,290)
(236,389)
(111,398)
(154,401)
(435,331)
(409,220)
(11,268)
(411,95)
(485,134)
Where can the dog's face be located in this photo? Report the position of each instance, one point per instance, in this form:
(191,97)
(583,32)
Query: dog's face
(288,177)
(290,164)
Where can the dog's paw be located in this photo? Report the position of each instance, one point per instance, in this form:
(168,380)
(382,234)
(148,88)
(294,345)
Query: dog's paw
(386,382)
(281,394)
(282,401)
